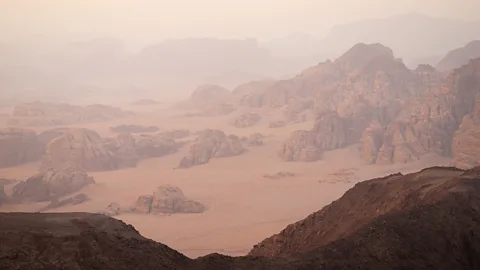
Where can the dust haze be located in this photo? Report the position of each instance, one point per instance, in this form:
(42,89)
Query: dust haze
(211,125)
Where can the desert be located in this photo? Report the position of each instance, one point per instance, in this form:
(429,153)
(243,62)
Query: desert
(226,153)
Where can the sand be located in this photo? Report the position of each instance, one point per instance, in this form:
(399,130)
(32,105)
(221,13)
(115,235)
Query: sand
(243,206)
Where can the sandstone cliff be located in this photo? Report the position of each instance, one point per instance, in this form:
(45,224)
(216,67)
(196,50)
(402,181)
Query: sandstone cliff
(19,146)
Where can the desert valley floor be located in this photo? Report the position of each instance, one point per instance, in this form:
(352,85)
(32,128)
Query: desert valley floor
(243,206)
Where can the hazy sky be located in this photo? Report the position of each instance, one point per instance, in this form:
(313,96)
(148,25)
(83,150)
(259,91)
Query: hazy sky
(151,20)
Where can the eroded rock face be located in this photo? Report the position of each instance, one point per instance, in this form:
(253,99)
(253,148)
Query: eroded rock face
(134,129)
(211,144)
(19,146)
(51,114)
(459,57)
(48,135)
(51,184)
(466,140)
(300,147)
(123,150)
(247,120)
(255,139)
(167,200)
(82,147)
(277,124)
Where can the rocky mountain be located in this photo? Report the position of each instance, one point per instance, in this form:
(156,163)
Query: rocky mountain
(424,220)
(459,57)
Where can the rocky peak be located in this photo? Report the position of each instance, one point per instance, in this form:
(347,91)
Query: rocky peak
(360,55)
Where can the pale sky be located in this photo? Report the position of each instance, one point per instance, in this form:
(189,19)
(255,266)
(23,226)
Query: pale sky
(148,20)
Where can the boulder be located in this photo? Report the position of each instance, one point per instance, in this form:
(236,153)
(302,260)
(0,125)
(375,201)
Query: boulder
(51,184)
(19,146)
(211,144)
(167,200)
(82,147)
(246,120)
(134,129)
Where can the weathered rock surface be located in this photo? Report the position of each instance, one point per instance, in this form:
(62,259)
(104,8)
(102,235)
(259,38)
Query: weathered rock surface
(211,144)
(246,120)
(167,200)
(19,146)
(134,129)
(466,140)
(300,147)
(123,150)
(51,114)
(51,184)
(82,147)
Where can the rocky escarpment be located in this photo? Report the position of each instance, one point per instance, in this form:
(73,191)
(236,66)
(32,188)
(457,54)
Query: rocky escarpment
(211,144)
(19,146)
(424,220)
(367,201)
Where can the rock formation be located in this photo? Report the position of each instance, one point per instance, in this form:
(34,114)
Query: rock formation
(167,200)
(19,146)
(51,114)
(176,134)
(216,108)
(466,140)
(279,175)
(155,145)
(51,184)
(48,135)
(300,147)
(211,144)
(459,57)
(422,220)
(82,147)
(134,129)
(246,120)
(359,207)
(123,150)
(277,124)
(255,139)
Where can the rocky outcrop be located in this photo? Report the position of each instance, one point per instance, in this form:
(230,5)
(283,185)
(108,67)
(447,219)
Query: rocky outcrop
(134,129)
(19,146)
(211,144)
(82,147)
(367,201)
(167,200)
(208,93)
(250,94)
(155,145)
(123,150)
(279,175)
(466,140)
(51,114)
(246,120)
(300,147)
(459,57)
(217,109)
(255,139)
(51,184)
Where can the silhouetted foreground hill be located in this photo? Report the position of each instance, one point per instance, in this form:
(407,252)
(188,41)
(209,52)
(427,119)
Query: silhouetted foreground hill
(425,220)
